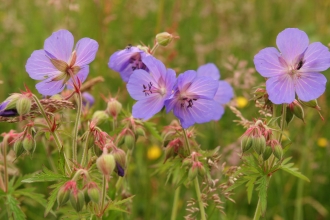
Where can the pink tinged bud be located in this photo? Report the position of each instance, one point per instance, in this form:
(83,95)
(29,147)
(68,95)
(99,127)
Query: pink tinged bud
(267,153)
(12,100)
(246,143)
(259,144)
(310,104)
(193,171)
(164,38)
(278,151)
(297,110)
(113,108)
(187,162)
(201,170)
(119,156)
(100,117)
(23,105)
(94,192)
(29,144)
(77,199)
(106,164)
(18,148)
(129,140)
(63,196)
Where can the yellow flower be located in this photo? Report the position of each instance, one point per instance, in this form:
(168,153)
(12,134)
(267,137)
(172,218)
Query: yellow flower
(154,152)
(322,142)
(241,101)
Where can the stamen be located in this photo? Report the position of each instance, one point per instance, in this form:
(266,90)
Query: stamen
(147,91)
(189,101)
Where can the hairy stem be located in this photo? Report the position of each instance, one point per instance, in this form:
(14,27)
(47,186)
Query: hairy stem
(5,171)
(257,213)
(104,184)
(85,152)
(76,127)
(175,203)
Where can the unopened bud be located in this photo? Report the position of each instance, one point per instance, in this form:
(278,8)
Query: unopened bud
(193,171)
(259,144)
(100,117)
(77,200)
(129,140)
(93,192)
(311,103)
(297,110)
(246,143)
(23,105)
(18,148)
(140,131)
(201,170)
(12,100)
(187,162)
(278,151)
(120,156)
(113,108)
(106,164)
(63,196)
(29,144)
(164,38)
(267,153)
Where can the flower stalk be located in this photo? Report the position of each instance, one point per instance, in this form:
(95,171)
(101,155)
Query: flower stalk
(76,126)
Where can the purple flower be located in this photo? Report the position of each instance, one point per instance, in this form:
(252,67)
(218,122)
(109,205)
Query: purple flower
(5,112)
(127,60)
(87,99)
(224,93)
(192,99)
(295,69)
(150,89)
(56,64)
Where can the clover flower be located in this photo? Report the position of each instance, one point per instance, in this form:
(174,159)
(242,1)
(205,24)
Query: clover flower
(192,100)
(57,66)
(295,69)
(127,60)
(224,93)
(150,89)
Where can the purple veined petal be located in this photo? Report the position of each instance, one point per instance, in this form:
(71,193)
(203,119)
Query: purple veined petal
(155,67)
(86,49)
(292,42)
(219,112)
(39,66)
(3,105)
(280,89)
(121,58)
(136,82)
(185,79)
(317,58)
(60,45)
(203,87)
(210,70)
(170,80)
(9,113)
(82,75)
(310,86)
(146,108)
(224,93)
(49,87)
(268,64)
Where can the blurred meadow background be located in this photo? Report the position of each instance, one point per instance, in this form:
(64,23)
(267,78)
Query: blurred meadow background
(227,33)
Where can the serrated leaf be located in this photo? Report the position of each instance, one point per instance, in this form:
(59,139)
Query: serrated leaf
(116,208)
(15,208)
(152,129)
(2,193)
(249,188)
(123,201)
(237,183)
(45,176)
(294,172)
(262,188)
(53,196)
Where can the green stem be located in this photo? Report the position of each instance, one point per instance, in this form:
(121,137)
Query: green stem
(85,152)
(76,127)
(283,121)
(104,183)
(154,48)
(175,203)
(257,214)
(54,133)
(186,140)
(5,171)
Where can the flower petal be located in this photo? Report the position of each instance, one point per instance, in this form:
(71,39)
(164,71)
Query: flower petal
(310,86)
(317,58)
(49,87)
(292,42)
(267,62)
(185,79)
(203,87)
(156,67)
(210,70)
(280,89)
(136,82)
(39,66)
(170,80)
(60,45)
(146,108)
(86,49)
(224,93)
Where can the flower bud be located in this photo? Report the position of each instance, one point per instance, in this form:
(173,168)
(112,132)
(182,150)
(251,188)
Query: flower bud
(63,196)
(119,156)
(164,38)
(193,171)
(93,192)
(29,144)
(259,144)
(77,200)
(129,140)
(267,153)
(106,164)
(100,117)
(140,131)
(23,105)
(278,151)
(246,143)
(311,103)
(12,100)
(297,110)
(113,108)
(18,148)
(187,162)
(201,170)
(289,115)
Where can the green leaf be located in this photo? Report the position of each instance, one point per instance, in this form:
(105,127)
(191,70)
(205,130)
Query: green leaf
(2,193)
(151,128)
(123,201)
(116,208)
(249,188)
(262,188)
(294,172)
(237,183)
(15,208)
(45,176)
(53,196)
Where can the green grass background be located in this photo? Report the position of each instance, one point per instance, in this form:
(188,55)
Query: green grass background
(210,31)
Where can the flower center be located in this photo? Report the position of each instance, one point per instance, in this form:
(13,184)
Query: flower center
(185,101)
(136,62)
